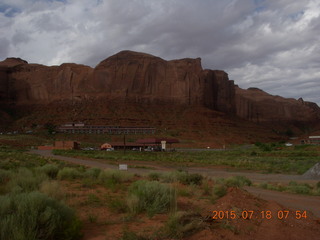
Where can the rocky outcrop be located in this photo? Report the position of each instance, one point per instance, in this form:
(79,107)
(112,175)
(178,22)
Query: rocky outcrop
(145,79)
(141,77)
(258,106)
(126,76)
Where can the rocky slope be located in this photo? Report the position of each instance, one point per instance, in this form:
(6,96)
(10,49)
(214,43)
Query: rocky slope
(139,78)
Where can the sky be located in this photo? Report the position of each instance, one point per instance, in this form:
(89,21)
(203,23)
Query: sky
(273,45)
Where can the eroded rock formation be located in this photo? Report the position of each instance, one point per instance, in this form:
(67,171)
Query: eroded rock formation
(142,78)
(258,106)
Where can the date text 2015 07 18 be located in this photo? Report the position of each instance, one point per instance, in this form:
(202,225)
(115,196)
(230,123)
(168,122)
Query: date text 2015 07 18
(250,214)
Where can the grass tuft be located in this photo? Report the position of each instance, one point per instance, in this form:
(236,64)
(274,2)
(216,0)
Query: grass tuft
(150,196)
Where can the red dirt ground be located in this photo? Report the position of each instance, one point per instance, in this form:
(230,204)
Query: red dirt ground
(101,223)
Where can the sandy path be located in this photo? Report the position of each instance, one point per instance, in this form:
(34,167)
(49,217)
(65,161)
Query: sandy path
(292,201)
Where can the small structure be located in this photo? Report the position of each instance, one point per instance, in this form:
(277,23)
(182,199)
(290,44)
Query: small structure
(123,167)
(158,143)
(106,146)
(66,145)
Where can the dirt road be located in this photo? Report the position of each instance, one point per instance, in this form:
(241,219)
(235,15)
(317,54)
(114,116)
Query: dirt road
(292,201)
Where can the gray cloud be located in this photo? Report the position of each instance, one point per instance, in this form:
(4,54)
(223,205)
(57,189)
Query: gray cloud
(4,49)
(272,44)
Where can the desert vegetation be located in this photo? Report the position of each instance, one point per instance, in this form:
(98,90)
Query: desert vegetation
(46,199)
(50,199)
(293,187)
(31,204)
(265,158)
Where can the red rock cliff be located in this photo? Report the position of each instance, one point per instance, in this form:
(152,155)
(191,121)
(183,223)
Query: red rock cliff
(142,78)
(126,76)
(258,106)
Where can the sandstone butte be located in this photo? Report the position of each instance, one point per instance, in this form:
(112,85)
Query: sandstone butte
(141,78)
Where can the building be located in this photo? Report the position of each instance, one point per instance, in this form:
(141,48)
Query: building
(311,140)
(314,139)
(64,145)
(81,128)
(146,144)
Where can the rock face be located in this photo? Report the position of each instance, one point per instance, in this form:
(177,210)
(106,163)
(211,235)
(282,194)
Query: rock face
(142,78)
(145,78)
(258,106)
(126,76)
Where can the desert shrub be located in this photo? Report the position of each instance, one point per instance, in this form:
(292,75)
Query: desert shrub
(116,176)
(206,187)
(181,225)
(263,185)
(293,183)
(277,187)
(5,176)
(68,173)
(169,177)
(150,196)
(36,216)
(219,190)
(50,169)
(189,179)
(52,189)
(154,176)
(24,180)
(182,177)
(300,189)
(92,173)
(237,181)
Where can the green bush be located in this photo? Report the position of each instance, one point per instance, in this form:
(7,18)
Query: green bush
(318,185)
(117,204)
(92,173)
(154,176)
(219,190)
(68,173)
(293,183)
(238,181)
(50,169)
(169,177)
(52,189)
(116,176)
(189,179)
(26,181)
(35,216)
(150,196)
(181,225)
(300,189)
(263,185)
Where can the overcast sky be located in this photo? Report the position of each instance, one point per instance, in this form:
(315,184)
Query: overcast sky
(269,44)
